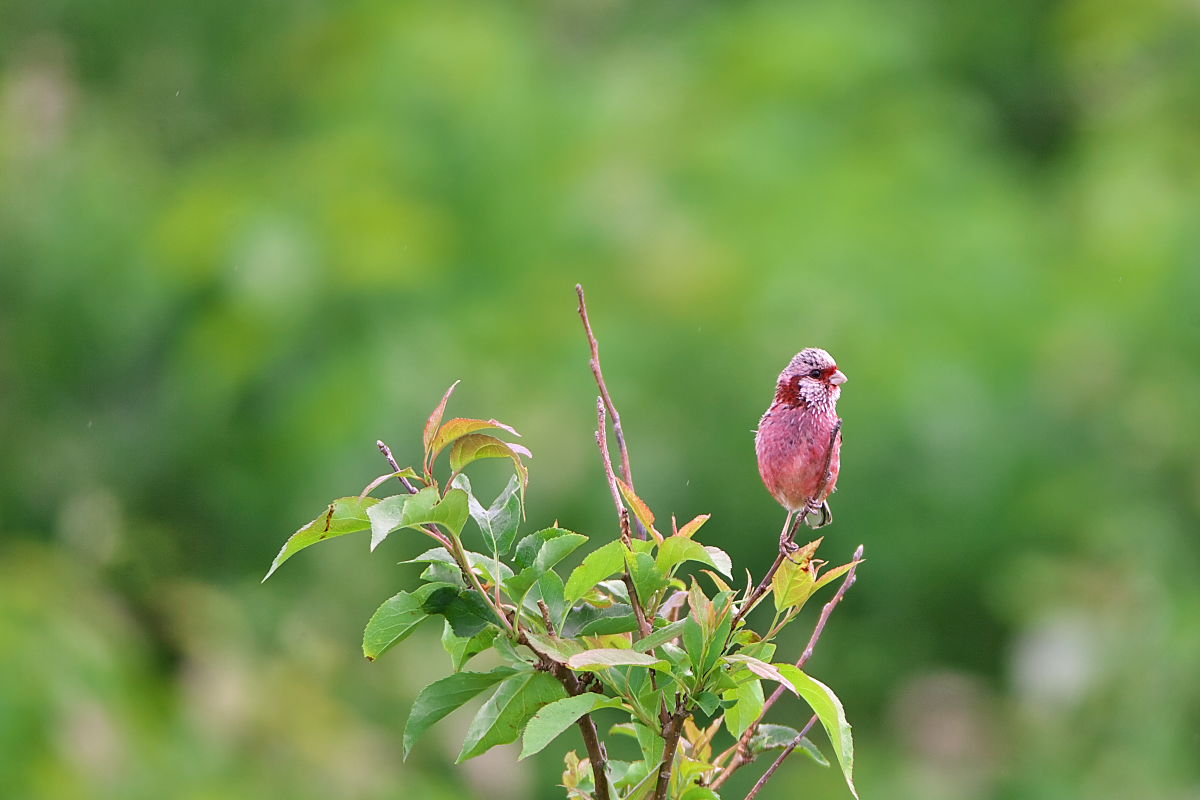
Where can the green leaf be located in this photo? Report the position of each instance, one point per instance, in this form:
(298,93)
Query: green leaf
(647,579)
(342,516)
(720,561)
(708,703)
(483,564)
(545,548)
(498,523)
(550,586)
(602,658)
(694,642)
(554,648)
(699,793)
(464,609)
(435,421)
(587,620)
(475,446)
(747,706)
(393,621)
(676,550)
(762,669)
(660,636)
(443,696)
(833,717)
(551,720)
(776,737)
(506,712)
(596,566)
(462,648)
(414,510)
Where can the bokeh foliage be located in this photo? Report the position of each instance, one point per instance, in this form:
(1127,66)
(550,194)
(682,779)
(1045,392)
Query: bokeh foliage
(241,241)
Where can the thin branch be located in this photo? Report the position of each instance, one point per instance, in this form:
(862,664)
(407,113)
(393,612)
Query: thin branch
(598,373)
(671,732)
(828,608)
(741,750)
(787,751)
(428,530)
(765,584)
(602,443)
(597,755)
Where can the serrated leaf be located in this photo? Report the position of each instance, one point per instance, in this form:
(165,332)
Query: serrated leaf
(464,609)
(507,711)
(762,669)
(393,621)
(639,508)
(499,522)
(829,710)
(596,566)
(413,510)
(342,516)
(443,696)
(776,737)
(554,718)
(462,648)
(435,420)
(602,658)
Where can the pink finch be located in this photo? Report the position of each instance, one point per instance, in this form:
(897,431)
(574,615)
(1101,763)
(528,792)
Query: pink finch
(799,439)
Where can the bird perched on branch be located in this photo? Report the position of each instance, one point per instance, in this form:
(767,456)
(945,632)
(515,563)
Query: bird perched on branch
(799,439)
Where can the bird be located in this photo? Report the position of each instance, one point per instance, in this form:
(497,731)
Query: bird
(799,440)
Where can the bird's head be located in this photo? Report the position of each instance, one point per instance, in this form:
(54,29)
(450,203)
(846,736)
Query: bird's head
(811,378)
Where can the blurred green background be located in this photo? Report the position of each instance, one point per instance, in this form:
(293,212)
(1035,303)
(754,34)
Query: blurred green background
(239,241)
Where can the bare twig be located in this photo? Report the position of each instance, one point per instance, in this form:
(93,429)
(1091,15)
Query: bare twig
(602,443)
(741,750)
(597,372)
(428,530)
(787,751)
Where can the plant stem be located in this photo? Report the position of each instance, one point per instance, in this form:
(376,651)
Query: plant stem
(597,755)
(671,733)
(626,471)
(787,751)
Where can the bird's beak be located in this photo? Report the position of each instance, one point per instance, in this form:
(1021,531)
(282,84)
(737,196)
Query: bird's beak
(837,378)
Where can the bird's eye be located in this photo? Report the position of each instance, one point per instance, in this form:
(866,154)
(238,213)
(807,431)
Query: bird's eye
(815,373)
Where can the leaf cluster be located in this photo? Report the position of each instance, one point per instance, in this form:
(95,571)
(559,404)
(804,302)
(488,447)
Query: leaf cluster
(650,629)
